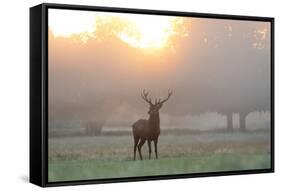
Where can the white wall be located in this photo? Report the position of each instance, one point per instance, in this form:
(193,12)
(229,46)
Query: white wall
(14,80)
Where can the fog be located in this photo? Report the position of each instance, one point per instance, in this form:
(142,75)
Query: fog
(220,67)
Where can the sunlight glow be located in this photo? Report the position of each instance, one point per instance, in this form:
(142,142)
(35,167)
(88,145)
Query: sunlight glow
(140,31)
(153,31)
(66,23)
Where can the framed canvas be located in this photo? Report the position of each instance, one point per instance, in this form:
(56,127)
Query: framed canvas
(130,95)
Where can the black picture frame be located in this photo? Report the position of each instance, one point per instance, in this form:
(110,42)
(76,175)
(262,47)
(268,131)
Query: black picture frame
(39,93)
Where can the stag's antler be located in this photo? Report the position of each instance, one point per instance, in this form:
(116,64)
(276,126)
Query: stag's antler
(170,92)
(145,98)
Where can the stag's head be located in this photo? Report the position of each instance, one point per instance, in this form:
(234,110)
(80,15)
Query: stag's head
(155,106)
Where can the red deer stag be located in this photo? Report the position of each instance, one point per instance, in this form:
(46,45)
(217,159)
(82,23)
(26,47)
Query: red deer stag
(148,129)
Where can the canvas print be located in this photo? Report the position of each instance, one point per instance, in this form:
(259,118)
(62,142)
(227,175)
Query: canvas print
(134,95)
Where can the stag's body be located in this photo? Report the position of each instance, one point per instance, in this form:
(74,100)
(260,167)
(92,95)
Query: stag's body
(148,130)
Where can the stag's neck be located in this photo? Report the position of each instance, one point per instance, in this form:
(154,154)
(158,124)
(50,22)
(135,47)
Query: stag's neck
(154,121)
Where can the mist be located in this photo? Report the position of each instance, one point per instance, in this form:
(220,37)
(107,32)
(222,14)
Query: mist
(222,67)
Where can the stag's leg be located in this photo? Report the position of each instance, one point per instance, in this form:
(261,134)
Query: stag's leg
(149,148)
(155,147)
(136,141)
(142,141)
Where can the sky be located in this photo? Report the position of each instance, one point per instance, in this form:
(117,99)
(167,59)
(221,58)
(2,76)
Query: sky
(100,62)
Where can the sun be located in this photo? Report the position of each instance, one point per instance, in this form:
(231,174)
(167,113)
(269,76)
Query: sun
(153,32)
(140,31)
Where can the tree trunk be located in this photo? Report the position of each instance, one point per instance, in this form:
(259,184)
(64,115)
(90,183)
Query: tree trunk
(94,128)
(242,121)
(229,122)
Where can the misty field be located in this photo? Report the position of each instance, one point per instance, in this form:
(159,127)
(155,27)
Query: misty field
(111,156)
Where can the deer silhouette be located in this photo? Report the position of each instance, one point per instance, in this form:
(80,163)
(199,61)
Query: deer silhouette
(148,129)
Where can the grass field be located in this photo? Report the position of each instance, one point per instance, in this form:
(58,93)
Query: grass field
(80,158)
